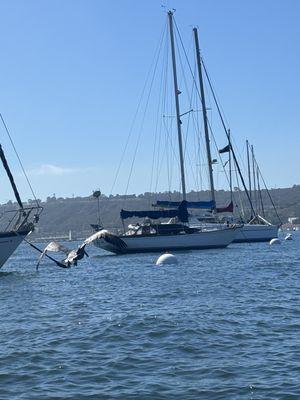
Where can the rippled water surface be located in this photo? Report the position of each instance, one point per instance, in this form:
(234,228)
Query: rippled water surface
(222,324)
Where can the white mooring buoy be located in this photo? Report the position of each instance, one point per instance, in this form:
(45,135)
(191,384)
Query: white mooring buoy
(274,241)
(166,258)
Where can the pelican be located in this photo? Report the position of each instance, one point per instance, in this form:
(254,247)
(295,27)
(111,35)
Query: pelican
(73,256)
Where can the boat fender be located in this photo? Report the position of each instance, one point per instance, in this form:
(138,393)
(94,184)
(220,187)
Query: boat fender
(166,258)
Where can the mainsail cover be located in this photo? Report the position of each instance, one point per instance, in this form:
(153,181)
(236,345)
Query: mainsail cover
(181,212)
(205,205)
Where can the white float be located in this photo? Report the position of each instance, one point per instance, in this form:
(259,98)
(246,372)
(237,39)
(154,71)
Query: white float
(274,241)
(166,258)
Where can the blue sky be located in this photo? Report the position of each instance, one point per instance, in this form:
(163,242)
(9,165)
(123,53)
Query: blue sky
(72,71)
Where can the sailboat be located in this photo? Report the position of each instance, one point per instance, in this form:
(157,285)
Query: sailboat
(258,228)
(176,233)
(18,223)
(254,229)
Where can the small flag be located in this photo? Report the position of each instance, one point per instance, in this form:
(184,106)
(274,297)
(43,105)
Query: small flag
(225,149)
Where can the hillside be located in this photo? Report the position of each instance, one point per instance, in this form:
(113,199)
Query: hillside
(61,215)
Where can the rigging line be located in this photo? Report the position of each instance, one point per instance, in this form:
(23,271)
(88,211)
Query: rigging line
(174,152)
(221,160)
(143,118)
(217,97)
(158,159)
(194,174)
(195,155)
(161,105)
(199,136)
(168,155)
(187,60)
(254,179)
(187,154)
(190,96)
(269,194)
(219,155)
(137,110)
(240,211)
(229,139)
(159,169)
(168,105)
(186,56)
(259,191)
(209,82)
(163,123)
(222,114)
(19,159)
(191,71)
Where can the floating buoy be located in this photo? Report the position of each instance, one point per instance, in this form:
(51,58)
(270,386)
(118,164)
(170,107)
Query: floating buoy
(274,241)
(166,258)
(288,237)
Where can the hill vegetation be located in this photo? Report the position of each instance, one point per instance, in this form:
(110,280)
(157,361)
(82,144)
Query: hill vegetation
(61,215)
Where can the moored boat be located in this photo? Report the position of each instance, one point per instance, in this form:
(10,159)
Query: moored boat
(175,233)
(17,222)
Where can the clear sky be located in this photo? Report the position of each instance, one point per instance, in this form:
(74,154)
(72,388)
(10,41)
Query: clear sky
(71,72)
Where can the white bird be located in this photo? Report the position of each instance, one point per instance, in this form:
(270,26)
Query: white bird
(73,256)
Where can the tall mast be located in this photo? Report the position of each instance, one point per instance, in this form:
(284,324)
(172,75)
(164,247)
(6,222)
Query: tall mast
(249,173)
(230,171)
(177,92)
(207,142)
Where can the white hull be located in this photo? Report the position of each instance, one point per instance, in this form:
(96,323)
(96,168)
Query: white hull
(248,232)
(217,238)
(9,241)
(256,233)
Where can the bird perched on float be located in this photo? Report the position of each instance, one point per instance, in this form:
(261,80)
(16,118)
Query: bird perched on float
(73,256)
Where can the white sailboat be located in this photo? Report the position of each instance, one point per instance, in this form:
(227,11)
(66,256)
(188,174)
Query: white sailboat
(177,238)
(176,233)
(257,228)
(9,241)
(17,223)
(254,232)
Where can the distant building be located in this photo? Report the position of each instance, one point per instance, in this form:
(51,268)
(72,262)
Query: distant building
(293,220)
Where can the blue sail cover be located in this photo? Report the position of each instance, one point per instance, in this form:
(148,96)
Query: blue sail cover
(206,205)
(181,212)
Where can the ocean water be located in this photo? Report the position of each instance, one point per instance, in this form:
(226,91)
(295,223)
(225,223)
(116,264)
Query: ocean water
(222,324)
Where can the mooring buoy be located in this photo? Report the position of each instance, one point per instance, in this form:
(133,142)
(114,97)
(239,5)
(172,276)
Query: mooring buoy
(166,258)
